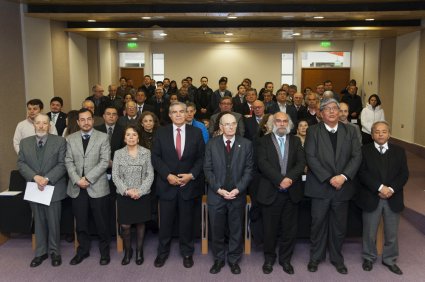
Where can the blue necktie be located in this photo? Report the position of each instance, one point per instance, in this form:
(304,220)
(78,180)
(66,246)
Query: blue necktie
(282,146)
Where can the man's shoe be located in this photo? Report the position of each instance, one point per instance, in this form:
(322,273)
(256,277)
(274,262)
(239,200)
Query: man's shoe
(159,261)
(267,267)
(367,265)
(105,260)
(341,268)
(312,266)
(218,264)
(38,260)
(56,259)
(78,259)
(188,261)
(288,268)
(394,268)
(234,268)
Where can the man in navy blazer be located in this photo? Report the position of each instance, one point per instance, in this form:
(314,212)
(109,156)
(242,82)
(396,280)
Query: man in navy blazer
(177,156)
(228,169)
(333,156)
(281,160)
(56,115)
(383,174)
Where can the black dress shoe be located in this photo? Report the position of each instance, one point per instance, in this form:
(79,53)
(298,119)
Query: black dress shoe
(234,268)
(139,257)
(312,266)
(341,268)
(367,265)
(78,259)
(188,261)
(394,268)
(38,260)
(287,267)
(56,259)
(159,261)
(127,257)
(218,264)
(267,267)
(104,260)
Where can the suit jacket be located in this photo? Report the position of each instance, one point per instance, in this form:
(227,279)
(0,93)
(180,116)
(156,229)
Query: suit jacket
(371,178)
(60,122)
(117,139)
(94,162)
(243,109)
(323,163)
(239,119)
(237,103)
(124,121)
(251,128)
(117,103)
(100,108)
(165,161)
(147,107)
(269,166)
(215,100)
(52,164)
(242,164)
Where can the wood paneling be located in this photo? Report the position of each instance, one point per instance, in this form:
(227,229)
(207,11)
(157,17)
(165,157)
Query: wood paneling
(312,76)
(136,74)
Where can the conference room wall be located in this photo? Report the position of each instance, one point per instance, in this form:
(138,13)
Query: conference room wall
(419,137)
(12,90)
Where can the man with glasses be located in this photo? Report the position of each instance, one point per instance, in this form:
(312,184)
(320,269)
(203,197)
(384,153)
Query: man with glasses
(228,169)
(333,156)
(226,105)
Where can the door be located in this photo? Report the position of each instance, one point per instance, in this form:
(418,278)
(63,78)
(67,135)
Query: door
(136,74)
(310,77)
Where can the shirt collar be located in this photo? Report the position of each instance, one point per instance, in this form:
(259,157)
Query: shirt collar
(328,128)
(42,139)
(182,128)
(385,146)
(232,140)
(107,126)
(86,133)
(277,136)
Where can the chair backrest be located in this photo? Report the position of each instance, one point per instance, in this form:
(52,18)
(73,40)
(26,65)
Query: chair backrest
(16,182)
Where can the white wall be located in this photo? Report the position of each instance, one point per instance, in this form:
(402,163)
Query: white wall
(357,63)
(371,68)
(259,62)
(37,53)
(105,63)
(78,67)
(405,85)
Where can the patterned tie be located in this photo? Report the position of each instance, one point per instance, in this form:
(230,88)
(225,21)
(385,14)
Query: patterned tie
(228,146)
(86,136)
(179,144)
(54,118)
(381,149)
(40,144)
(332,130)
(110,133)
(282,146)
(140,109)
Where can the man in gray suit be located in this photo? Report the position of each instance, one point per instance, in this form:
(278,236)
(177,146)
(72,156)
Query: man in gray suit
(333,156)
(228,168)
(87,158)
(41,160)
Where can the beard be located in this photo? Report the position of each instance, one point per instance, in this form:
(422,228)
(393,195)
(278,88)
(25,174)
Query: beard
(40,134)
(281,131)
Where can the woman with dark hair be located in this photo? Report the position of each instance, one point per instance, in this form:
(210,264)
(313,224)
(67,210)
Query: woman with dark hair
(302,130)
(127,98)
(173,87)
(370,114)
(133,174)
(71,123)
(148,123)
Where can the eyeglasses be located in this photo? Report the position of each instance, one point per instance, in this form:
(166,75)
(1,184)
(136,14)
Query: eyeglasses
(229,124)
(331,109)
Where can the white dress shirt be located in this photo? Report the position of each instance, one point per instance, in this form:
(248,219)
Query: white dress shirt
(182,135)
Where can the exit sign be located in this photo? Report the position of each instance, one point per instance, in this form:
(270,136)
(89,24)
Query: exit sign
(131,45)
(325,44)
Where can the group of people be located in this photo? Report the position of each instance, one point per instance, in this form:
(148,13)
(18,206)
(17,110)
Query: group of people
(277,148)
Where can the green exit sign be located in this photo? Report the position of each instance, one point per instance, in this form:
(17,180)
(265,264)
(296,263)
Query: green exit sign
(131,45)
(325,44)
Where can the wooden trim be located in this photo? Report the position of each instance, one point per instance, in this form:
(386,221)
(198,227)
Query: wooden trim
(247,228)
(413,148)
(204,226)
(3,238)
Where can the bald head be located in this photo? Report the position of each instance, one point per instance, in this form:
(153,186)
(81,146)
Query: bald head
(89,105)
(259,108)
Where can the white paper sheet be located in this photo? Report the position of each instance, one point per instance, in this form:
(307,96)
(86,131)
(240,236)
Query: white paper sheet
(10,193)
(33,194)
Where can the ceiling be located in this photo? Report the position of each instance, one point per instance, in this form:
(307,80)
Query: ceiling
(256,21)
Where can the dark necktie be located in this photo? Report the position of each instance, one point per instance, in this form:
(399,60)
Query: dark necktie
(179,144)
(40,144)
(110,133)
(86,136)
(228,146)
(333,131)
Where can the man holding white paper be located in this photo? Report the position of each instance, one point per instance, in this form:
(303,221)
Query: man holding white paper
(41,160)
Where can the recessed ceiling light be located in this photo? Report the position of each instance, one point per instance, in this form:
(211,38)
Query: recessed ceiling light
(296,34)
(229,33)
(288,17)
(163,34)
(232,17)
(133,38)
(146,18)
(369,20)
(227,41)
(91,21)
(318,17)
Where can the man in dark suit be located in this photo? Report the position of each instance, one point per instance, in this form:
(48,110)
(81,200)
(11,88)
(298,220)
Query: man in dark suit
(87,158)
(284,107)
(131,117)
(239,98)
(56,115)
(41,160)
(383,174)
(116,139)
(310,112)
(177,156)
(245,108)
(99,100)
(281,161)
(147,87)
(333,156)
(251,123)
(140,103)
(160,105)
(228,169)
(218,94)
(226,106)
(114,99)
